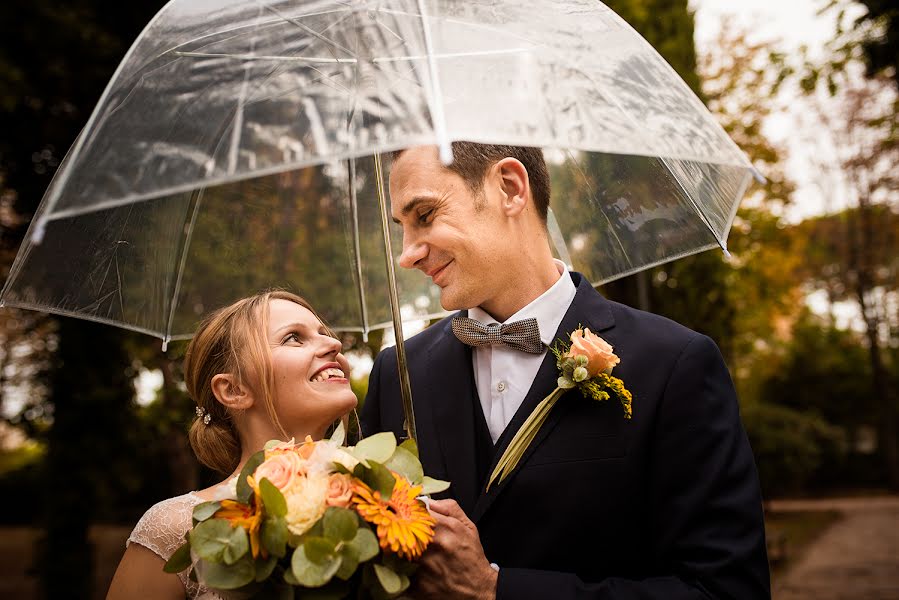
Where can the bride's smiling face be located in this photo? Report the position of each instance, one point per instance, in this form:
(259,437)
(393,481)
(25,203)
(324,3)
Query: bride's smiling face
(311,376)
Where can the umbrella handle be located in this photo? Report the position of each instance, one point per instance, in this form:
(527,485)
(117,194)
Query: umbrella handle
(402,366)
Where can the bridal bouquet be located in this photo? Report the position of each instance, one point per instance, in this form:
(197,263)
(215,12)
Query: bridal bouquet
(345,521)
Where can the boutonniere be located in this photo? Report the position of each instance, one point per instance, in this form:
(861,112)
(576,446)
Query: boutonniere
(586,364)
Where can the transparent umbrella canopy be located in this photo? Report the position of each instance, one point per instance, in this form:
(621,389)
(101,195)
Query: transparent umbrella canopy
(233,151)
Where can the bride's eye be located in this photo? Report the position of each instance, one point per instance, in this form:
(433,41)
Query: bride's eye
(291,337)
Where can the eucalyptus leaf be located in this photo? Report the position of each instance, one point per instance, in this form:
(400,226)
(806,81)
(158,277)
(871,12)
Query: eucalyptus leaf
(264,567)
(272,498)
(319,549)
(228,577)
(271,444)
(204,510)
(210,538)
(411,446)
(244,491)
(389,579)
(565,383)
(179,560)
(340,524)
(380,479)
(431,486)
(339,435)
(274,536)
(349,561)
(313,573)
(366,542)
(238,546)
(406,464)
(378,447)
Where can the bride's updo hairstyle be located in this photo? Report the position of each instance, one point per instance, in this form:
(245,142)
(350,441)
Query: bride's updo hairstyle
(231,340)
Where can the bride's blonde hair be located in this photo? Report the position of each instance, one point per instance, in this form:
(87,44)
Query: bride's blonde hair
(231,340)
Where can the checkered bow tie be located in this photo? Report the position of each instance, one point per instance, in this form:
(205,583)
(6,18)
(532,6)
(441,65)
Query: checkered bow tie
(521,335)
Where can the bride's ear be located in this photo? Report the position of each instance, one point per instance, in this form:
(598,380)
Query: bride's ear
(230,392)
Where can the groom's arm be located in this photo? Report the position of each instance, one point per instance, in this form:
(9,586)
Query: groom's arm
(705,501)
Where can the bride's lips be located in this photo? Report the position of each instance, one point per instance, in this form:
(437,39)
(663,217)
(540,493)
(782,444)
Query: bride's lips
(330,365)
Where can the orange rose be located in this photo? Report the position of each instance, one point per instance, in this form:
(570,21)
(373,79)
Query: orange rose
(340,490)
(597,351)
(281,469)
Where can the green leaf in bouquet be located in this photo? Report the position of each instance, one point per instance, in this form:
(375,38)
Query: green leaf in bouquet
(366,542)
(406,464)
(379,479)
(314,573)
(390,580)
(204,510)
(179,560)
(274,536)
(229,577)
(271,444)
(378,447)
(237,547)
(264,567)
(339,435)
(411,446)
(340,524)
(210,538)
(349,561)
(244,491)
(272,498)
(433,486)
(319,549)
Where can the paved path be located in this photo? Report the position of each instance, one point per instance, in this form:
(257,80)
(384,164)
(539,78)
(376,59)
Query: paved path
(857,558)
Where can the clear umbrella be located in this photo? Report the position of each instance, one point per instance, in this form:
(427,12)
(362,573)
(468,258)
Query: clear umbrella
(233,150)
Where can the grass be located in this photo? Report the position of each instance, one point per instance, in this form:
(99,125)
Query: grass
(790,533)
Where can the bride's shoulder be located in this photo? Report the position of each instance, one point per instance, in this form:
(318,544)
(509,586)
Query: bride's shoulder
(162,528)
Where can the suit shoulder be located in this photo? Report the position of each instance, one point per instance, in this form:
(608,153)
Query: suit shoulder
(654,329)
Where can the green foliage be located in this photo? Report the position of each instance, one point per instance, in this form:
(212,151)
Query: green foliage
(789,446)
(244,491)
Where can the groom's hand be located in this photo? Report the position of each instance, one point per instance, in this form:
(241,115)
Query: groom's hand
(454,565)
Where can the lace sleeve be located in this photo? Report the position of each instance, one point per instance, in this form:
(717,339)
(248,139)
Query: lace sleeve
(163,526)
(162,530)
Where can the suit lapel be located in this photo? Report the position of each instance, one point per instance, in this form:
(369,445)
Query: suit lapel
(588,309)
(451,393)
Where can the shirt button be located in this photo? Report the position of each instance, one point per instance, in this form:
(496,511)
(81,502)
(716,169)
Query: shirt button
(501,386)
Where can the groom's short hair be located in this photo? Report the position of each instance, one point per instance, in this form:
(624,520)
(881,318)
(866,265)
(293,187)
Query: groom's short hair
(471,161)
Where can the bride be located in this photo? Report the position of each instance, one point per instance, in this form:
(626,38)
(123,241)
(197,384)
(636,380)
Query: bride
(264,368)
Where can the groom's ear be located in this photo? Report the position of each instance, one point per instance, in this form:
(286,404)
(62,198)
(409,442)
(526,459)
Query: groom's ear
(229,391)
(513,180)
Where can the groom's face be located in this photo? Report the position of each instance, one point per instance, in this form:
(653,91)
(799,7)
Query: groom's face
(450,233)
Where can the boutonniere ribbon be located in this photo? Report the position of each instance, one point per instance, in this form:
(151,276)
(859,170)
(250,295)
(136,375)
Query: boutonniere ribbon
(586,364)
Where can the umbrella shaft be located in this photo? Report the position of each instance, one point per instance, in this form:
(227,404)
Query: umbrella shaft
(402,367)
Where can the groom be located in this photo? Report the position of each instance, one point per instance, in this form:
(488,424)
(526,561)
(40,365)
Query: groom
(665,505)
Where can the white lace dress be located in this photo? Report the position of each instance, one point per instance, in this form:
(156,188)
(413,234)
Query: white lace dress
(162,529)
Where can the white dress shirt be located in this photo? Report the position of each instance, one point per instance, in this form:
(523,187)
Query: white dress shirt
(502,375)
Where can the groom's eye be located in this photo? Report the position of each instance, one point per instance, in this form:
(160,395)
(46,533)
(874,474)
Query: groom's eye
(425,217)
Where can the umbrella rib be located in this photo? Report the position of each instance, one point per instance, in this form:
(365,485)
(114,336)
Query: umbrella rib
(446,151)
(309,30)
(705,219)
(182,260)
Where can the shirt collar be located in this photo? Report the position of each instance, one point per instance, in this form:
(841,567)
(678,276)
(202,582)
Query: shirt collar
(549,308)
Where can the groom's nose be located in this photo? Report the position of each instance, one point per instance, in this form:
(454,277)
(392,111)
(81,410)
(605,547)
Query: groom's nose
(412,254)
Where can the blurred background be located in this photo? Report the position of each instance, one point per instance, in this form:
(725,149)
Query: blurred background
(93,419)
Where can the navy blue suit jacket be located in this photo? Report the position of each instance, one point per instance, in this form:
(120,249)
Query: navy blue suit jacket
(666,505)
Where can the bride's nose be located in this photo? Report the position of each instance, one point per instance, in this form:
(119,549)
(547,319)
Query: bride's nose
(330,345)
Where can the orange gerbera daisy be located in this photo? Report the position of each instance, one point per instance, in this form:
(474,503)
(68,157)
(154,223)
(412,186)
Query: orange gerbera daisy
(403,523)
(248,517)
